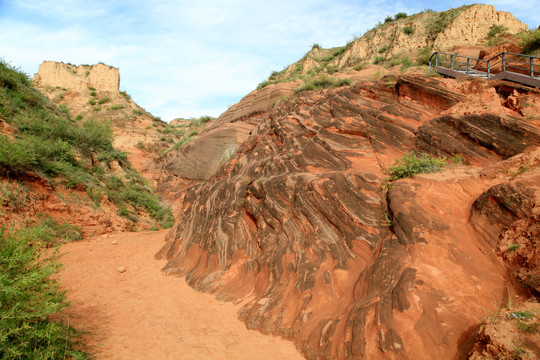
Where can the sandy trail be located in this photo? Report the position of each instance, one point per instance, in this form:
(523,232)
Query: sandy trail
(143,314)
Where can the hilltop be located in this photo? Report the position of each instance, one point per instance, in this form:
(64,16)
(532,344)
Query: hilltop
(410,40)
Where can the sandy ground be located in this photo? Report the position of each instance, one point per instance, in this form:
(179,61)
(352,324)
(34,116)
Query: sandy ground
(142,314)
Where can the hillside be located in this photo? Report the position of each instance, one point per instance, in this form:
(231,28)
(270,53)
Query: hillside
(410,40)
(69,170)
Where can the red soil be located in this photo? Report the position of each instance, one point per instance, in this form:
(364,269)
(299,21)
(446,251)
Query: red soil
(142,314)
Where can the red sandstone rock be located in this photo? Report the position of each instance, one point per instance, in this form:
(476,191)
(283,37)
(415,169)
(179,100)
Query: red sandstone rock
(301,224)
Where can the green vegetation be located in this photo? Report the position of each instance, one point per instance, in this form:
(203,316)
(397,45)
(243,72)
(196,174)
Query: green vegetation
(457,159)
(408,30)
(383,49)
(411,164)
(530,42)
(437,22)
(496,34)
(322,82)
(191,128)
(137,112)
(125,95)
(423,55)
(359,67)
(117,107)
(379,60)
(528,328)
(513,247)
(30,298)
(496,30)
(388,19)
(405,63)
(92,102)
(400,15)
(104,100)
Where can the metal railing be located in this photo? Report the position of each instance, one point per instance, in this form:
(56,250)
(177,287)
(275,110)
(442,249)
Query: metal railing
(505,61)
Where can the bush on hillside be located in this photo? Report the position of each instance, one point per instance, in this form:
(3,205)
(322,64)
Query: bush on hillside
(322,82)
(530,42)
(411,164)
(400,15)
(30,299)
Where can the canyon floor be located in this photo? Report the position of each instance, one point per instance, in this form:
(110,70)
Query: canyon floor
(132,311)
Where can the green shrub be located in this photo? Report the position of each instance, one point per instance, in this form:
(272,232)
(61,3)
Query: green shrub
(92,102)
(514,247)
(63,108)
(379,60)
(137,112)
(31,300)
(331,69)
(388,19)
(497,29)
(400,15)
(359,67)
(15,158)
(440,21)
(125,95)
(322,82)
(92,93)
(103,100)
(408,30)
(91,88)
(383,49)
(108,156)
(530,42)
(117,107)
(422,58)
(411,164)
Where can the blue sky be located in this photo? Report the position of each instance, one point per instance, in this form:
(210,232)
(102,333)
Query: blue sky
(193,58)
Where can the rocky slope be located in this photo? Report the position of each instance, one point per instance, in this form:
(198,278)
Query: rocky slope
(93,91)
(404,39)
(302,224)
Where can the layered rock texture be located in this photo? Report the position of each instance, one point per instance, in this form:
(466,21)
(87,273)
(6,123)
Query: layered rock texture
(301,224)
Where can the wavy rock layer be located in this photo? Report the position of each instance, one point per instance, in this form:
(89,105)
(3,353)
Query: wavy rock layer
(302,226)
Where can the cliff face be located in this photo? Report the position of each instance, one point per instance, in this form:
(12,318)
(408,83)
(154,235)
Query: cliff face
(300,222)
(100,76)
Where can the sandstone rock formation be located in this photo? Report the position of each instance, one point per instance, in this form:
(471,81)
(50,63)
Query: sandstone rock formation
(301,224)
(100,76)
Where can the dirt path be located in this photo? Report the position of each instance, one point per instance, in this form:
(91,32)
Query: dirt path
(142,314)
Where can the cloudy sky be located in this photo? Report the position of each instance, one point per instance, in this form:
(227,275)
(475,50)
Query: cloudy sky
(191,58)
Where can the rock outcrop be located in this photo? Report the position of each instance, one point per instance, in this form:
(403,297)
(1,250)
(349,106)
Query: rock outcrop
(301,224)
(79,78)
